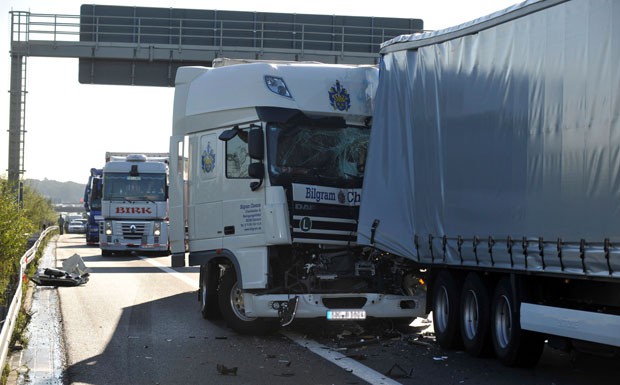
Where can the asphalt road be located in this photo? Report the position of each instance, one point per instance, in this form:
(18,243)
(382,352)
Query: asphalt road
(138,322)
(134,323)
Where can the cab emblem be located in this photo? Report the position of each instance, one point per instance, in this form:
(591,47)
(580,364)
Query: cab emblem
(339,97)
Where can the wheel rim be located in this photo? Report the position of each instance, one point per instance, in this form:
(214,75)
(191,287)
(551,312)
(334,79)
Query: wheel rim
(203,296)
(237,304)
(503,322)
(442,309)
(470,314)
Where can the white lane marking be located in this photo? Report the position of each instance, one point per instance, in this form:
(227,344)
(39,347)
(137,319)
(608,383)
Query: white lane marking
(350,365)
(176,274)
(357,369)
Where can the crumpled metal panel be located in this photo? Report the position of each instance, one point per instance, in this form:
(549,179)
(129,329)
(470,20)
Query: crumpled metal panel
(502,148)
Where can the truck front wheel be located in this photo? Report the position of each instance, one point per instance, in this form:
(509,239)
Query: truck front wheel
(209,281)
(232,307)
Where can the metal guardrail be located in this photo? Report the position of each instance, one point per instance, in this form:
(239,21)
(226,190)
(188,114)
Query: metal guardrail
(214,32)
(8,324)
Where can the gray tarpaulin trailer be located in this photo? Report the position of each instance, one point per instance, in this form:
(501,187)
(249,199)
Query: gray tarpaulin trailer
(494,161)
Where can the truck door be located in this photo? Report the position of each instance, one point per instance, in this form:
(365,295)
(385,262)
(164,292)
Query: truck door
(205,192)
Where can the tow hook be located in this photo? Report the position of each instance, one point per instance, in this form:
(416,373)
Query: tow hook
(287,311)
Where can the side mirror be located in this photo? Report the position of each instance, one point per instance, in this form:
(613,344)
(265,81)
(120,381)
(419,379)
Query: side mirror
(256,144)
(256,170)
(229,134)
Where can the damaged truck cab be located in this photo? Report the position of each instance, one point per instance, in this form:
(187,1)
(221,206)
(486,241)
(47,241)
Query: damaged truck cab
(266,170)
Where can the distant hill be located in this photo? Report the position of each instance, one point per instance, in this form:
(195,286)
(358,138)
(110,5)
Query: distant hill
(58,192)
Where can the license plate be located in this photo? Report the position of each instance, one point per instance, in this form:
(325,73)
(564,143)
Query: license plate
(337,315)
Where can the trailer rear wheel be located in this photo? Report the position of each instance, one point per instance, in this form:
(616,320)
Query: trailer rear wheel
(446,302)
(209,281)
(513,346)
(475,316)
(233,308)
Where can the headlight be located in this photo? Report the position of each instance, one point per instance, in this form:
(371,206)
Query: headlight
(157,229)
(108,228)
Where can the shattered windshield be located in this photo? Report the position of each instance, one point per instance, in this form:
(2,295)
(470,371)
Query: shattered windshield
(122,186)
(311,153)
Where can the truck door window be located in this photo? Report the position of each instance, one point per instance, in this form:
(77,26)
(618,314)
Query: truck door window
(237,157)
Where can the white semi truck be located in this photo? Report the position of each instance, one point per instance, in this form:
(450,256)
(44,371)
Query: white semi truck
(493,163)
(266,167)
(134,204)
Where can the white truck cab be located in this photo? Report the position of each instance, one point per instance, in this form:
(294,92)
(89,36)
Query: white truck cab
(267,163)
(134,203)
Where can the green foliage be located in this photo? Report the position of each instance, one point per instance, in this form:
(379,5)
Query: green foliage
(37,209)
(19,332)
(5,374)
(33,266)
(17,224)
(15,229)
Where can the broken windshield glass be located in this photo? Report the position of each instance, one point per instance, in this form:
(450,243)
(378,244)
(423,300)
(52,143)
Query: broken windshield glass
(303,152)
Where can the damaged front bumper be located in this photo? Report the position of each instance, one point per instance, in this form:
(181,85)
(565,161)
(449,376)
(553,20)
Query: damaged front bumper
(373,305)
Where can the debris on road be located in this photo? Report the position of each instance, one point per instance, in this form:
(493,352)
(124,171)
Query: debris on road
(400,372)
(75,265)
(284,374)
(56,277)
(224,371)
(75,273)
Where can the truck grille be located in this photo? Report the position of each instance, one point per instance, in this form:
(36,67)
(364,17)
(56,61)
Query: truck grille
(324,224)
(133,230)
(308,229)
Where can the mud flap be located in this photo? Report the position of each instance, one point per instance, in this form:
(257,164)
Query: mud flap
(177,260)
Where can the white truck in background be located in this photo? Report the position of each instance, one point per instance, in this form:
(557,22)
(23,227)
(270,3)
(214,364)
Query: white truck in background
(134,204)
(266,164)
(493,164)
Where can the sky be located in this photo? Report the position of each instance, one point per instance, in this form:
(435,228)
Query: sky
(70,126)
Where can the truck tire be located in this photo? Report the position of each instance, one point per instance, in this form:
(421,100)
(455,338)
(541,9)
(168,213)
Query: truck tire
(446,303)
(209,281)
(475,316)
(233,310)
(513,346)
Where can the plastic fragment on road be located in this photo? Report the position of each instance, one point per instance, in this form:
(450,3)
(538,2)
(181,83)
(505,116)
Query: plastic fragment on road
(75,265)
